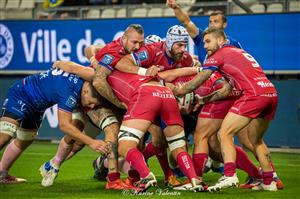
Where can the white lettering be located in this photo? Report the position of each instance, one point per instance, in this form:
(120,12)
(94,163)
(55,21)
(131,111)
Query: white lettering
(46,46)
(83,43)
(28,49)
(53,46)
(64,47)
(40,46)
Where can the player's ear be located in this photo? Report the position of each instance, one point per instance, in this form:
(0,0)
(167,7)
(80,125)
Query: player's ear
(224,25)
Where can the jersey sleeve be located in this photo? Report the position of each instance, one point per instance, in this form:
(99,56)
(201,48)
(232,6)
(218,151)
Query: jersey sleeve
(200,46)
(68,100)
(144,57)
(106,58)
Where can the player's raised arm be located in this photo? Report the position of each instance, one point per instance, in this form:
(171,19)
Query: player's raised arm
(183,18)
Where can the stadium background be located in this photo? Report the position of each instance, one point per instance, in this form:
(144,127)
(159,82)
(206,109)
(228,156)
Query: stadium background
(272,38)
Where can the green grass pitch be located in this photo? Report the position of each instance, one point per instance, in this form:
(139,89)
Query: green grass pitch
(75,179)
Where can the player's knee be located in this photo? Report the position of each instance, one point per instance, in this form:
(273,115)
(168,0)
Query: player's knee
(130,134)
(26,135)
(8,128)
(176,141)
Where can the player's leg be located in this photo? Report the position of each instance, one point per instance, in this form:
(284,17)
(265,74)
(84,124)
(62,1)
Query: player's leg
(129,136)
(259,127)
(176,140)
(159,146)
(8,129)
(231,124)
(205,128)
(14,149)
(65,150)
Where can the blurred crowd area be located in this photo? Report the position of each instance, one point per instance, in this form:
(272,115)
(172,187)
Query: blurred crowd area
(95,9)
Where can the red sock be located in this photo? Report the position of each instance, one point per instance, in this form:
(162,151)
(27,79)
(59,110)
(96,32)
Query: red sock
(137,161)
(229,169)
(162,156)
(243,162)
(149,151)
(199,160)
(185,163)
(113,176)
(267,177)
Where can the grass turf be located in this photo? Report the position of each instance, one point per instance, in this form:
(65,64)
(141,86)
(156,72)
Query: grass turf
(75,179)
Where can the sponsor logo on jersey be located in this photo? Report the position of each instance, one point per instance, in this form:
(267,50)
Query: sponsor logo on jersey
(143,55)
(71,102)
(265,84)
(107,59)
(6,46)
(211,61)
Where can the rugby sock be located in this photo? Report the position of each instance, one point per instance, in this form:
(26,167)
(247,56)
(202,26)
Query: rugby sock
(162,156)
(149,151)
(63,151)
(185,163)
(199,160)
(137,161)
(229,169)
(113,176)
(10,155)
(267,177)
(243,162)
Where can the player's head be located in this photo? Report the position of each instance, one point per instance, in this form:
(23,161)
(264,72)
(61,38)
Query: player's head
(90,98)
(176,41)
(217,19)
(213,38)
(150,39)
(133,37)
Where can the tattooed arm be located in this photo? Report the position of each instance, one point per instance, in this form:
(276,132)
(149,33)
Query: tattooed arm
(218,94)
(190,86)
(171,75)
(103,88)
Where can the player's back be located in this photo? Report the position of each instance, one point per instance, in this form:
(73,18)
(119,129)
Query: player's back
(243,69)
(48,88)
(125,85)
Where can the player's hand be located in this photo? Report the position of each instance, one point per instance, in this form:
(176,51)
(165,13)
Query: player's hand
(94,62)
(99,146)
(152,71)
(56,64)
(198,102)
(172,4)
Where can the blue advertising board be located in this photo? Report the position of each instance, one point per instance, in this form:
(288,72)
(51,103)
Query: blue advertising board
(273,39)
